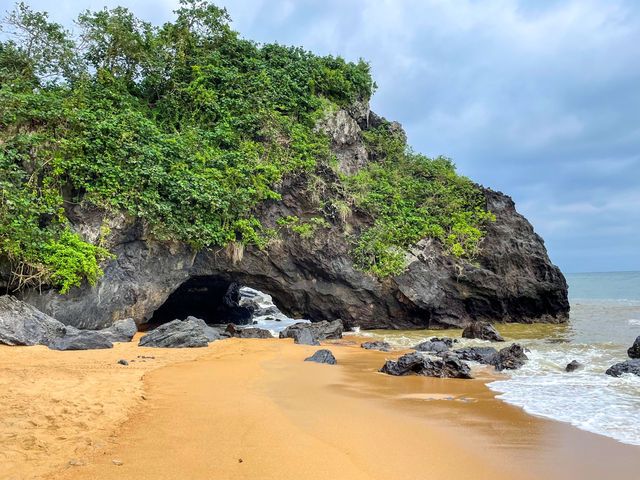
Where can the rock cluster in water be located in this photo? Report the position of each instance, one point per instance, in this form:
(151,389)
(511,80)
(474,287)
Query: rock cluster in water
(448,366)
(628,366)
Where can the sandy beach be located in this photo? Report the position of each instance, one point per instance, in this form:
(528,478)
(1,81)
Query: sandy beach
(253,409)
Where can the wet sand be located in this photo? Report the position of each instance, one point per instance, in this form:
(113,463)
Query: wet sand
(253,409)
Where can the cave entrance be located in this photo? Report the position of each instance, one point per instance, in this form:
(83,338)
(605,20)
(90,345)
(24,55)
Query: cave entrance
(213,299)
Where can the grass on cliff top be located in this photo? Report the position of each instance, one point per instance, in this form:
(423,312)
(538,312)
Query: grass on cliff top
(188,127)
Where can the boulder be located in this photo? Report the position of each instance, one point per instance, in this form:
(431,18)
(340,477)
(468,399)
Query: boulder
(634,350)
(123,362)
(322,330)
(450,366)
(305,336)
(405,365)
(176,334)
(509,358)
(432,347)
(322,356)
(572,366)
(121,330)
(75,339)
(482,355)
(382,346)
(23,324)
(211,333)
(446,340)
(483,331)
(254,333)
(630,366)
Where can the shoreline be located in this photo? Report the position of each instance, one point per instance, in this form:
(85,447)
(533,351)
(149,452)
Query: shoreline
(257,400)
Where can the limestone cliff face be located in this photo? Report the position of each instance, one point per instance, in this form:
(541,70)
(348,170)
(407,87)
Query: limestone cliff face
(512,281)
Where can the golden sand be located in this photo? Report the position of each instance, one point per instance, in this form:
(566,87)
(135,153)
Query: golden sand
(253,409)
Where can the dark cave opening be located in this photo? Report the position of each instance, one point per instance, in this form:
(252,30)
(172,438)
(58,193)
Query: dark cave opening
(213,299)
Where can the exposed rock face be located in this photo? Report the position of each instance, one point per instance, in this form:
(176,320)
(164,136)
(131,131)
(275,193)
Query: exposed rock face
(482,355)
(483,331)
(509,358)
(76,339)
(321,330)
(512,279)
(254,333)
(433,347)
(176,334)
(382,346)
(305,336)
(22,324)
(634,350)
(121,330)
(450,366)
(630,366)
(322,356)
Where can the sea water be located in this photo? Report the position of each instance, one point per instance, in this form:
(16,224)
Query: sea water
(604,322)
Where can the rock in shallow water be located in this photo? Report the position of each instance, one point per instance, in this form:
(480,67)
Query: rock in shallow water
(176,334)
(382,346)
(572,366)
(482,331)
(322,356)
(450,366)
(431,346)
(322,330)
(630,366)
(634,351)
(482,355)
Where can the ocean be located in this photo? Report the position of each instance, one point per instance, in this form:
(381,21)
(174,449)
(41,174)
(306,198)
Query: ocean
(604,322)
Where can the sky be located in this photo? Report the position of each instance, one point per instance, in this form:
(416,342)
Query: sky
(539,99)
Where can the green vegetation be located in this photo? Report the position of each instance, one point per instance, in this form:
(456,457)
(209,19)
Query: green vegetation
(411,197)
(188,127)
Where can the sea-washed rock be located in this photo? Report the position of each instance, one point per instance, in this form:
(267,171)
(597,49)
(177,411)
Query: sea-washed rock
(23,324)
(450,366)
(634,350)
(509,358)
(322,330)
(572,366)
(483,331)
(305,336)
(629,366)
(482,355)
(382,346)
(432,347)
(405,365)
(121,330)
(254,333)
(176,334)
(322,356)
(448,341)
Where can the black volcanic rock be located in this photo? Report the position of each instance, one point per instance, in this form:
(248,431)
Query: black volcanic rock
(482,331)
(484,355)
(254,333)
(572,366)
(431,346)
(176,334)
(511,279)
(322,330)
(509,358)
(629,366)
(322,356)
(634,350)
(382,346)
(449,366)
(305,336)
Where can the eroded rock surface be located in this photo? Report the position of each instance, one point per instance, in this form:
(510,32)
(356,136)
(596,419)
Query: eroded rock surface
(482,331)
(321,330)
(382,346)
(176,334)
(322,356)
(449,366)
(511,280)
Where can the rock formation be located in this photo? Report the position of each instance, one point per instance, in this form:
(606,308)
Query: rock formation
(322,356)
(512,279)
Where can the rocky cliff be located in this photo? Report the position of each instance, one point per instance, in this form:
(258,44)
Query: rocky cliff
(511,280)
